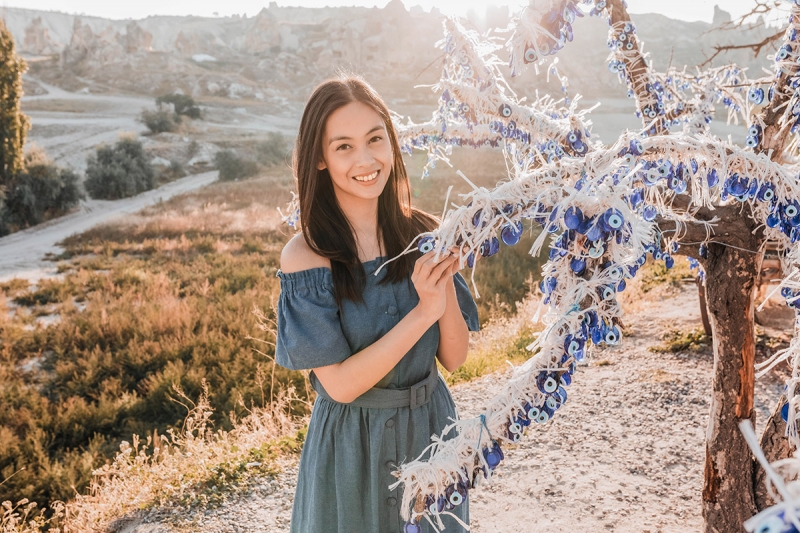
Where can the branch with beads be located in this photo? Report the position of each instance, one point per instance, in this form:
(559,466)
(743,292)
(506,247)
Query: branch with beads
(601,215)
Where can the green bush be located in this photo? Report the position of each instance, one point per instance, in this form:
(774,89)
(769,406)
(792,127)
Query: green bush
(40,193)
(184,105)
(119,171)
(232,167)
(159,120)
(272,150)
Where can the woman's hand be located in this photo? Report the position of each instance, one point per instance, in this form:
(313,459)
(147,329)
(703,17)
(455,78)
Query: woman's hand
(430,278)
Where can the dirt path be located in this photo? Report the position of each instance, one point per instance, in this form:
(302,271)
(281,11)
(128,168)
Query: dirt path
(625,454)
(22,253)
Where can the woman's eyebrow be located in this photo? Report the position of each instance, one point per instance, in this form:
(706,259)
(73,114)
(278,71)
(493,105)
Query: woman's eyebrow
(345,137)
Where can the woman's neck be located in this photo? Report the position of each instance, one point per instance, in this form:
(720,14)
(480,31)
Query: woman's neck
(363,218)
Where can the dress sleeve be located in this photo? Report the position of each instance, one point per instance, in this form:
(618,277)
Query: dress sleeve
(309,328)
(467,304)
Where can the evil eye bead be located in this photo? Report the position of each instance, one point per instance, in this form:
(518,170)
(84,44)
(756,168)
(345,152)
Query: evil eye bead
(411,527)
(515,428)
(471,260)
(572,137)
(577,265)
(636,147)
(751,141)
(754,131)
(552,403)
(426,244)
(669,262)
(756,95)
(615,273)
(530,54)
(613,219)
(649,213)
(573,217)
(790,211)
(492,457)
(565,379)
(542,417)
(629,45)
(766,194)
(505,110)
(456,498)
(612,336)
(783,53)
(607,293)
(712,179)
(511,233)
(785,412)
(596,251)
(533,413)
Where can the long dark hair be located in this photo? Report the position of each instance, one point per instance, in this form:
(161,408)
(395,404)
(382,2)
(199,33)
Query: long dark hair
(325,227)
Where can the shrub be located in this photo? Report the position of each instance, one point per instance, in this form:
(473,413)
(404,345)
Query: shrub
(159,120)
(184,105)
(119,171)
(272,150)
(232,167)
(40,193)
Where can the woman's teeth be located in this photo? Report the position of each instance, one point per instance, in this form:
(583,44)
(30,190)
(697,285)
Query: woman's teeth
(367,177)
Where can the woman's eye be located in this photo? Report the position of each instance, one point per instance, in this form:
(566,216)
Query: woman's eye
(343,146)
(376,138)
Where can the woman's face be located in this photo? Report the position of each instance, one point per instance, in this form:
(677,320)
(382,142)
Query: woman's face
(357,153)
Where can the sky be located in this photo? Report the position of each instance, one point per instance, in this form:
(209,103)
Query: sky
(691,10)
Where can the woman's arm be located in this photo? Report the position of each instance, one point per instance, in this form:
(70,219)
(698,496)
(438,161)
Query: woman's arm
(351,378)
(453,332)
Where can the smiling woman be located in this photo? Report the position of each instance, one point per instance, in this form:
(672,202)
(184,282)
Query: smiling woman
(371,340)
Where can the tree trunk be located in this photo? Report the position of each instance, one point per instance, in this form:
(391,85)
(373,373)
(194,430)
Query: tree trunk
(776,446)
(728,492)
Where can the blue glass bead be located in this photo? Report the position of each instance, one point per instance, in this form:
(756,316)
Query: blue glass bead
(703,251)
(584,226)
(411,527)
(596,250)
(530,54)
(756,95)
(649,213)
(595,233)
(636,147)
(597,335)
(751,141)
(669,262)
(476,218)
(543,416)
(766,193)
(426,244)
(533,413)
(492,457)
(490,247)
(471,260)
(785,412)
(573,217)
(505,110)
(565,379)
(636,198)
(511,234)
(694,165)
(754,130)
(712,178)
(621,286)
(577,265)
(786,292)
(590,319)
(612,219)
(606,293)
(546,383)
(612,336)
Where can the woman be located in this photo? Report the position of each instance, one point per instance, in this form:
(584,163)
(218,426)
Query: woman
(371,341)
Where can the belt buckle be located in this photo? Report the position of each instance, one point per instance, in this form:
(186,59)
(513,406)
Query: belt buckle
(416,401)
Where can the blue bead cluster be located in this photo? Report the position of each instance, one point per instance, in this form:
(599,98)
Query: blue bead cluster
(557,24)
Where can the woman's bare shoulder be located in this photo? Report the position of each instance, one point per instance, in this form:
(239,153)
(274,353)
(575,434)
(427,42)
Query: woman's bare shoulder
(297,256)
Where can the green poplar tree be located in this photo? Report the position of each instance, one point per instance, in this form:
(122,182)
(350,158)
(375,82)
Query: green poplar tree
(14,125)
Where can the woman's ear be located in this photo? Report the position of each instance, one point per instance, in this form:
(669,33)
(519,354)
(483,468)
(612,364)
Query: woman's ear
(321,165)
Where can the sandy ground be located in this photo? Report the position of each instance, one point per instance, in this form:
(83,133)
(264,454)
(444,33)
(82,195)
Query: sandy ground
(22,254)
(624,454)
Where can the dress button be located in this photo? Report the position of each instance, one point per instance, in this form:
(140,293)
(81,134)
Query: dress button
(391,501)
(390,423)
(392,310)
(390,465)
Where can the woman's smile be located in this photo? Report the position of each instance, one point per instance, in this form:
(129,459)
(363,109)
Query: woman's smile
(367,178)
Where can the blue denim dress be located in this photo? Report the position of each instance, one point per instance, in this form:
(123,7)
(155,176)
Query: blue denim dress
(350,451)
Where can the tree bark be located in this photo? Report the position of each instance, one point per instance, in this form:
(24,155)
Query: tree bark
(728,493)
(776,446)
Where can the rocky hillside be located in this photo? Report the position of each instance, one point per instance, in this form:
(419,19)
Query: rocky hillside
(283,51)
